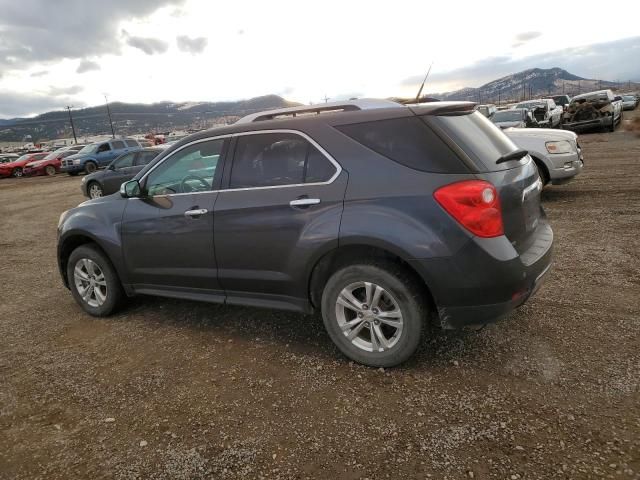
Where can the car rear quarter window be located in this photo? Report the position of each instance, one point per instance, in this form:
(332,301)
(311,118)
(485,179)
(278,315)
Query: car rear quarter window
(408,141)
(273,159)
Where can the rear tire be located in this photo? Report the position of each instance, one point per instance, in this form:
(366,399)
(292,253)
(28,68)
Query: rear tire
(90,167)
(93,281)
(17,172)
(50,170)
(385,332)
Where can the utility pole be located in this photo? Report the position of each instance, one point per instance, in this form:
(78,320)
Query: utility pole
(326,99)
(113,133)
(73,129)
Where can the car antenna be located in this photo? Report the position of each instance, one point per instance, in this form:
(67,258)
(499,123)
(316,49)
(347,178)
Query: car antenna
(423,82)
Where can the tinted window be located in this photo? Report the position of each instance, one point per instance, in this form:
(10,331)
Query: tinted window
(145,157)
(480,139)
(131,143)
(117,145)
(103,148)
(191,169)
(408,141)
(272,159)
(124,161)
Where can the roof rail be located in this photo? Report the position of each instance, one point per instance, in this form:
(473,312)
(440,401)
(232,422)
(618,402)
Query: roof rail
(345,106)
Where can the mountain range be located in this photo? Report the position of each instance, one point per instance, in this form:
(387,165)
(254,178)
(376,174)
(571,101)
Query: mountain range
(532,83)
(136,118)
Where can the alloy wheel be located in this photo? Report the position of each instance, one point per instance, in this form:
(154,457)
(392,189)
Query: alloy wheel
(95,191)
(90,282)
(50,170)
(369,316)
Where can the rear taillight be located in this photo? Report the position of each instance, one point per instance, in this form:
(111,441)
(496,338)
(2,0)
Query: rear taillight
(475,205)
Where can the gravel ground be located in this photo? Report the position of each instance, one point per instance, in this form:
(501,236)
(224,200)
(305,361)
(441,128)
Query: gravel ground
(172,389)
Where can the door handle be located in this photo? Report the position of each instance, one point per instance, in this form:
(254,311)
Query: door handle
(195,213)
(304,202)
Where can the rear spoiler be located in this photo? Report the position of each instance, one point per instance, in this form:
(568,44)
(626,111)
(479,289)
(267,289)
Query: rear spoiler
(443,108)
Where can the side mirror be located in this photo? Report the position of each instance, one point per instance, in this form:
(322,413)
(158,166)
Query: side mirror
(130,189)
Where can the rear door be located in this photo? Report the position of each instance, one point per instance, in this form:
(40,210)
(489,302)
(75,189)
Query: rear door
(282,205)
(168,232)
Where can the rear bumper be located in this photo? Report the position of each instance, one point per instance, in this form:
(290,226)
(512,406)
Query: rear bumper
(487,279)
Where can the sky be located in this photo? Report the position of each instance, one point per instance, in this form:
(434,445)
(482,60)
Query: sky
(73,52)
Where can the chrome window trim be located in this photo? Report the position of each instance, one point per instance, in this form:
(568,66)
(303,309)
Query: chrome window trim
(327,155)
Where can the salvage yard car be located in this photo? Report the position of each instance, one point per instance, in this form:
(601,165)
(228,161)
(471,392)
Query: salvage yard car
(16,167)
(98,155)
(49,165)
(545,111)
(123,168)
(556,153)
(516,117)
(629,102)
(388,219)
(593,110)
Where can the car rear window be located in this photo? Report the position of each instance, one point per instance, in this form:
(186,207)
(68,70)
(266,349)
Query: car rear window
(478,137)
(407,141)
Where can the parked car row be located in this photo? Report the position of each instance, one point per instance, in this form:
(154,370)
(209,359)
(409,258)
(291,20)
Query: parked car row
(601,109)
(98,155)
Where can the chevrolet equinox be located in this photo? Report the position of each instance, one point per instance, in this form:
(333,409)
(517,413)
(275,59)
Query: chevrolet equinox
(388,219)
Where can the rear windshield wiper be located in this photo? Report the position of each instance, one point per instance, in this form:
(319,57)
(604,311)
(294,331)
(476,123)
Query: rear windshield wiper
(515,155)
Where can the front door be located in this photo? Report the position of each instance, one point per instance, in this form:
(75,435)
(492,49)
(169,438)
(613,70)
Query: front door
(168,232)
(283,204)
(118,172)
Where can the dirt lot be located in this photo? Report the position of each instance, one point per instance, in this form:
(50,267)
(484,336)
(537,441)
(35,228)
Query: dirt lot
(180,390)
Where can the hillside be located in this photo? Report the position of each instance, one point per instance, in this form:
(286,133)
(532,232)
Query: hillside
(532,83)
(129,118)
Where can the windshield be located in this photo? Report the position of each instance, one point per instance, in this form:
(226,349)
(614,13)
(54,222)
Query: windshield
(629,98)
(52,155)
(507,116)
(89,148)
(23,157)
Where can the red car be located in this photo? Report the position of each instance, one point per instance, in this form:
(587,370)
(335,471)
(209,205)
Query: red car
(16,168)
(49,165)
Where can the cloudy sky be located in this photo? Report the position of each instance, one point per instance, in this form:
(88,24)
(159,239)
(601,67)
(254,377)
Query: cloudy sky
(72,52)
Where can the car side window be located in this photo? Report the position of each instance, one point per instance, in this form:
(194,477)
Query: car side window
(131,143)
(189,170)
(273,159)
(124,161)
(144,158)
(103,148)
(117,145)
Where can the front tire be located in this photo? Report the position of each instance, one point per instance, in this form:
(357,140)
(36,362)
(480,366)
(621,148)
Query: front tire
(90,167)
(374,313)
(17,172)
(93,281)
(95,190)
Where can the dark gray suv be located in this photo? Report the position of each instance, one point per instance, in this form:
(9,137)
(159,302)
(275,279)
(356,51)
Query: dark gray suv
(389,219)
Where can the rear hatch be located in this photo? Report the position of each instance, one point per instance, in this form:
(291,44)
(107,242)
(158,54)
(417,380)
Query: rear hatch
(516,180)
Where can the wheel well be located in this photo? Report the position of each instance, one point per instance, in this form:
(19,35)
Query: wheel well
(354,254)
(69,245)
(542,168)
